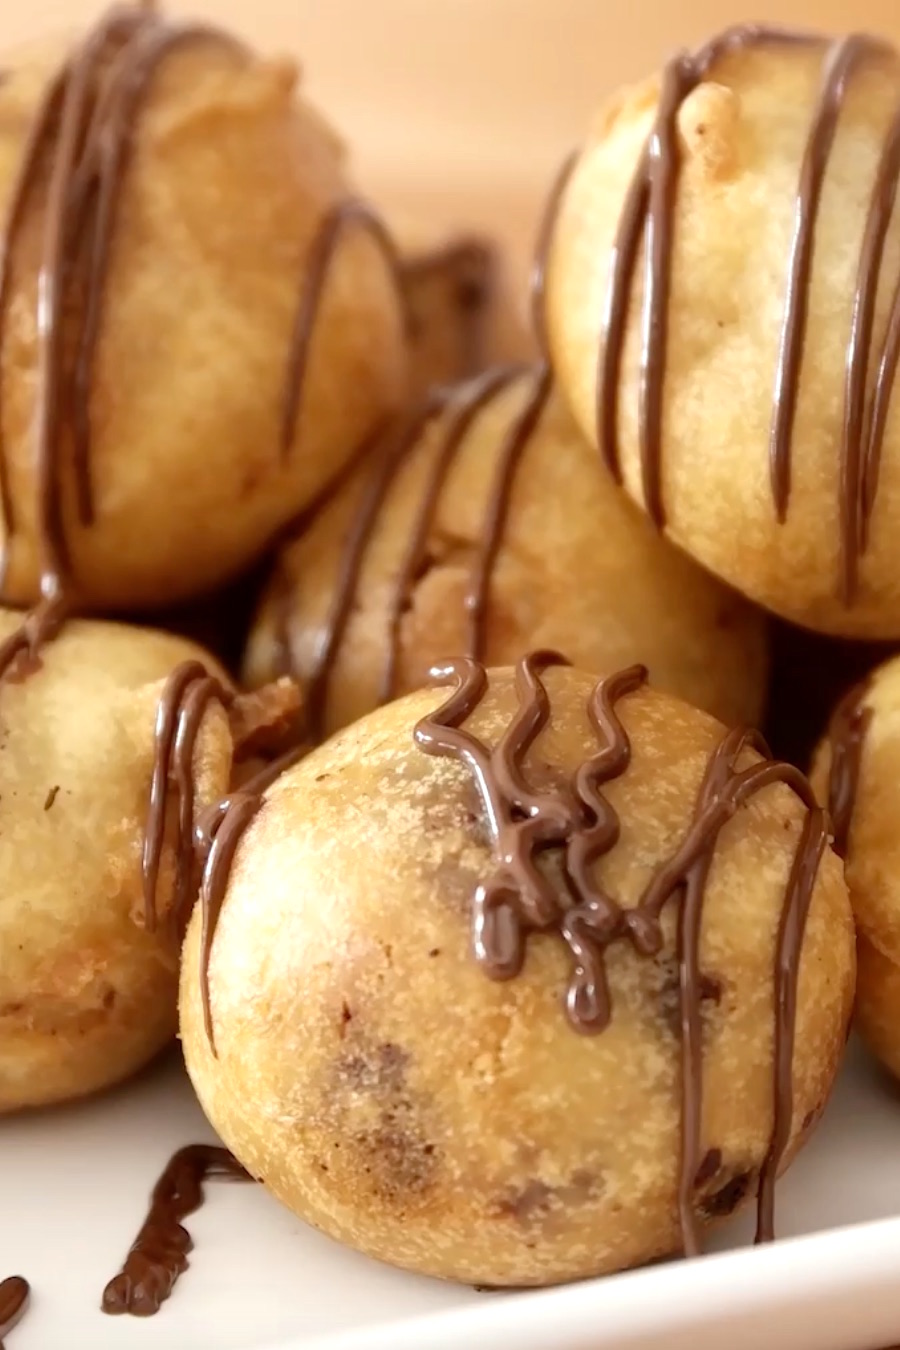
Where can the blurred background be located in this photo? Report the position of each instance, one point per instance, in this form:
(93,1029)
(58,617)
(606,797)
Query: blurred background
(458,111)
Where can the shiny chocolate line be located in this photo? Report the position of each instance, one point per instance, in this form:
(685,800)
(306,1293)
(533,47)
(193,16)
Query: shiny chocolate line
(458,407)
(159,1253)
(186,696)
(461,409)
(847,732)
(519,897)
(217,834)
(14,1296)
(332,230)
(648,218)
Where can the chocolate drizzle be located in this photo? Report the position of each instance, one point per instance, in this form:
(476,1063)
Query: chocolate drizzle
(14,1296)
(159,1253)
(217,835)
(187,695)
(847,732)
(459,408)
(648,217)
(331,232)
(578,825)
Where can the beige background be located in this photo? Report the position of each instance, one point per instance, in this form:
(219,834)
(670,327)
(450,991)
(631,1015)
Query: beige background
(459,109)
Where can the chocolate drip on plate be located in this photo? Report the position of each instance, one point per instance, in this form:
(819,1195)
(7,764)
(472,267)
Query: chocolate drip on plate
(159,1253)
(577,823)
(14,1295)
(847,736)
(648,219)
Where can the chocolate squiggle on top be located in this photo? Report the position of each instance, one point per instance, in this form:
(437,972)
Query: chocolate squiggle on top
(577,825)
(847,733)
(75,165)
(159,1253)
(648,222)
(14,1296)
(458,407)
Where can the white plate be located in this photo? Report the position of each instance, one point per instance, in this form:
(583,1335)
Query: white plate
(74,1186)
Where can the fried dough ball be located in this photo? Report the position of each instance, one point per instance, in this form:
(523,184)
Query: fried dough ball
(857,768)
(769,289)
(576,569)
(87,993)
(463,313)
(227,179)
(383,1087)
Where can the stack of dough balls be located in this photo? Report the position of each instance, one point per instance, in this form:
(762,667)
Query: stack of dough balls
(396,1098)
(230,395)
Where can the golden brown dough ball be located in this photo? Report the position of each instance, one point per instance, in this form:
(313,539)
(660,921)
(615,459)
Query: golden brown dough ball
(375,1078)
(87,992)
(155,377)
(462,308)
(576,568)
(857,770)
(741,378)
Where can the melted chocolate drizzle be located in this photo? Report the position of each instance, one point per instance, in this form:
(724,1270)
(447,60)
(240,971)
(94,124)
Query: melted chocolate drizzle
(578,823)
(14,1295)
(216,836)
(159,1253)
(459,408)
(847,732)
(648,218)
(187,695)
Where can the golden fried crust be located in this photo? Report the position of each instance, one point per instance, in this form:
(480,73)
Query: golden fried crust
(390,1093)
(87,995)
(873,862)
(741,139)
(878,1004)
(229,177)
(873,847)
(578,570)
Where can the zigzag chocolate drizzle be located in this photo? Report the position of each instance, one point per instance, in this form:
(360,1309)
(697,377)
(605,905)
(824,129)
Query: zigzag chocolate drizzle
(580,825)
(648,220)
(847,733)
